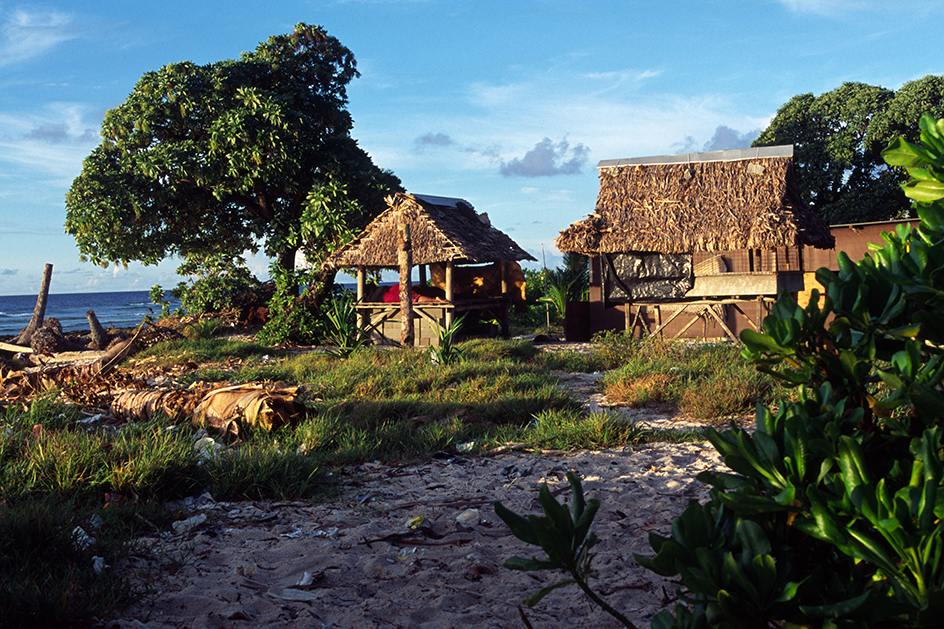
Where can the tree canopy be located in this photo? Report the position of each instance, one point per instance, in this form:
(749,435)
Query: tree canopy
(220,158)
(838,138)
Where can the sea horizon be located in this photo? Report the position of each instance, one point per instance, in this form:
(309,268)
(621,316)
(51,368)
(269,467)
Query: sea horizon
(113,309)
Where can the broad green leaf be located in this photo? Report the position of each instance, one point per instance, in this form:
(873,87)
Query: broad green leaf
(556,512)
(905,154)
(836,610)
(535,598)
(519,525)
(520,563)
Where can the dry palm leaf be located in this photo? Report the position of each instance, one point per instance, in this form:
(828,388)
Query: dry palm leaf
(266,406)
(143,405)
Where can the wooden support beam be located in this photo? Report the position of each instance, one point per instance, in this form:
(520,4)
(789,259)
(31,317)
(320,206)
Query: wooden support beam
(661,325)
(450,292)
(362,318)
(727,330)
(405,260)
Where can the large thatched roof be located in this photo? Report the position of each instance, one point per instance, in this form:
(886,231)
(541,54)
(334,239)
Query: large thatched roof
(441,229)
(717,201)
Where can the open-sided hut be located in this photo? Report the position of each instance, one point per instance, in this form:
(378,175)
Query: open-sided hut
(712,236)
(443,235)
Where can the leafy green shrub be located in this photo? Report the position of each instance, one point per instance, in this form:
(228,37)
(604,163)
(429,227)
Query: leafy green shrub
(833,514)
(219,282)
(290,321)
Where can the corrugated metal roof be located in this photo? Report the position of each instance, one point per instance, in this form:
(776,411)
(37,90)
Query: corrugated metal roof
(730,155)
(444,201)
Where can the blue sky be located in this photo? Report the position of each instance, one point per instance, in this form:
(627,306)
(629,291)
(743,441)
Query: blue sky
(509,104)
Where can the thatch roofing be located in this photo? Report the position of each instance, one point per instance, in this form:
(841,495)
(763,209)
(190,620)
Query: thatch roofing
(717,201)
(441,229)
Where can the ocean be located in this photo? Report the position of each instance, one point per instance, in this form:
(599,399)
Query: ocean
(118,309)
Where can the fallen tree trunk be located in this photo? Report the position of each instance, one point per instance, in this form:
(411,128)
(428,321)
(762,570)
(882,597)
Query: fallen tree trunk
(99,338)
(9,347)
(39,312)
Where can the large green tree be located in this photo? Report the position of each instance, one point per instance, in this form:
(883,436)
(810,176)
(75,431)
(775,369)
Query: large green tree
(225,157)
(838,138)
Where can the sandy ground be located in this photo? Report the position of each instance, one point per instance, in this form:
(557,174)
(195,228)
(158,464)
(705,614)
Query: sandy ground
(356,562)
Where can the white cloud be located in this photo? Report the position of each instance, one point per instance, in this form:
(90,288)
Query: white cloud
(26,34)
(547,159)
(841,8)
(53,140)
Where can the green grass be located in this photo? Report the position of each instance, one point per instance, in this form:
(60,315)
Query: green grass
(705,380)
(47,577)
(375,404)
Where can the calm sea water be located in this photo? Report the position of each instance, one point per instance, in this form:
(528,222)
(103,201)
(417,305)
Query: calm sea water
(119,310)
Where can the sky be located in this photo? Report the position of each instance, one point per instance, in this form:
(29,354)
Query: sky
(509,104)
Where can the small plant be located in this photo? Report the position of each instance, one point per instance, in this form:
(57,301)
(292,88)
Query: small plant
(158,297)
(203,329)
(448,350)
(565,537)
(343,331)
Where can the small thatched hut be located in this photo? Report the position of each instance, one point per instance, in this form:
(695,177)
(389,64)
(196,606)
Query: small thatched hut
(443,233)
(697,234)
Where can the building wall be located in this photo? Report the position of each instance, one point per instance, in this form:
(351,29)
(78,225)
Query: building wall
(853,239)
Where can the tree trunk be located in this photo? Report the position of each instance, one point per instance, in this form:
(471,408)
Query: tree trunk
(320,289)
(287,263)
(39,311)
(405,260)
(99,338)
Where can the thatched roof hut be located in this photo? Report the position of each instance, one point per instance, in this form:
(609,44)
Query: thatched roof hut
(442,229)
(716,201)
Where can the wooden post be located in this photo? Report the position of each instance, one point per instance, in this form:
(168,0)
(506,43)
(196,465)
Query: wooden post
(450,295)
(39,312)
(506,306)
(422,275)
(362,317)
(405,259)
